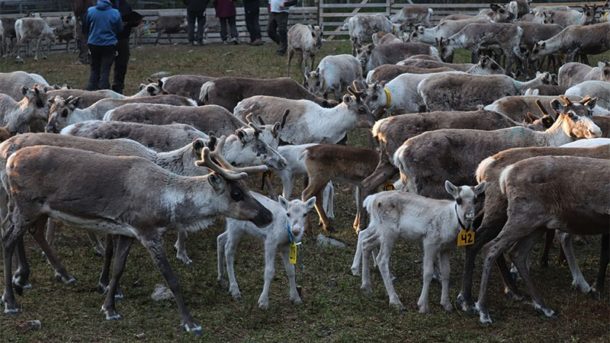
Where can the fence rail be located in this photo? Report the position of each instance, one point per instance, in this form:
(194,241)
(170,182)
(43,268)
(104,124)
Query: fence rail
(330,14)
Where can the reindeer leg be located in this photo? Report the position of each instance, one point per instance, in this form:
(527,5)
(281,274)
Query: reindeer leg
(10,239)
(578,280)
(603,264)
(102,284)
(60,271)
(22,274)
(154,246)
(120,258)
(548,244)
(520,253)
(180,246)
(314,188)
(485,233)
(512,232)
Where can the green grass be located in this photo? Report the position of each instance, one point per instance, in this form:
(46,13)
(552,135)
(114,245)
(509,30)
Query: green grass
(334,309)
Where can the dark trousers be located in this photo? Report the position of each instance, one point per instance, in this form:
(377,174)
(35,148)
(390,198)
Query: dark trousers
(252,9)
(191,18)
(228,21)
(101,62)
(81,42)
(278,29)
(120,65)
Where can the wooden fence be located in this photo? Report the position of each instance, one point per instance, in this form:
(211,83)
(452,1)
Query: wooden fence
(330,14)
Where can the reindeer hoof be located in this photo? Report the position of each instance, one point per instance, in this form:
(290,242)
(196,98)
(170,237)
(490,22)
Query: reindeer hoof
(366,289)
(111,314)
(193,328)
(101,288)
(513,296)
(11,311)
(185,259)
(465,305)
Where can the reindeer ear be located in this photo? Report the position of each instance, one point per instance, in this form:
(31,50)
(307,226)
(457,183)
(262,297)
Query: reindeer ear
(198,145)
(310,203)
(241,135)
(547,121)
(260,120)
(141,86)
(275,131)
(211,143)
(283,202)
(480,188)
(530,118)
(494,7)
(557,106)
(347,99)
(451,189)
(216,181)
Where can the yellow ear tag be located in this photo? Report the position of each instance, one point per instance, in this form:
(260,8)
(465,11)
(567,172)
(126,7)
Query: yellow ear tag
(465,237)
(292,255)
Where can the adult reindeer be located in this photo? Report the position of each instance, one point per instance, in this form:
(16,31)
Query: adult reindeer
(133,198)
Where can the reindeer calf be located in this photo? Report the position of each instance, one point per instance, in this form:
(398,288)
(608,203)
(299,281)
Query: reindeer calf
(287,227)
(435,222)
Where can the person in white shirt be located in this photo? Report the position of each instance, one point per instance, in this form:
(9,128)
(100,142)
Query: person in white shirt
(277,29)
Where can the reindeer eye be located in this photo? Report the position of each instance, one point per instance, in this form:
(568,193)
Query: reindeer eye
(458,201)
(64,113)
(375,97)
(288,215)
(317,83)
(573,116)
(304,215)
(237,194)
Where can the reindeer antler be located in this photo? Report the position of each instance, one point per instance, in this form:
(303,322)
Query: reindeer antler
(284,117)
(586,99)
(541,108)
(565,101)
(257,129)
(223,167)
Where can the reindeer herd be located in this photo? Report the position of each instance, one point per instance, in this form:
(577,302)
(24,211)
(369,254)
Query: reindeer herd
(468,147)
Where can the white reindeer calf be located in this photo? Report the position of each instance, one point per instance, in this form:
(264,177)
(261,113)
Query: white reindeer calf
(287,228)
(435,222)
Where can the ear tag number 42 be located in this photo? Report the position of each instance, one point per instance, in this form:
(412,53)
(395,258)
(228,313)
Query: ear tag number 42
(465,237)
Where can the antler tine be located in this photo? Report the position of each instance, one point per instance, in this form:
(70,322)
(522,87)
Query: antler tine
(541,108)
(586,99)
(249,117)
(565,100)
(284,117)
(257,129)
(225,173)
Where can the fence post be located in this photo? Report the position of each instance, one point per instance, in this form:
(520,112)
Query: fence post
(388,7)
(320,11)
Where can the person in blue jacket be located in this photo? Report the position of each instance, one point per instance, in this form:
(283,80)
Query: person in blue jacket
(102,26)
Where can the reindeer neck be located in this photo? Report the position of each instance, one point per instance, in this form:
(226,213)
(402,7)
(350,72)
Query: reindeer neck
(172,160)
(523,85)
(554,135)
(188,202)
(338,116)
